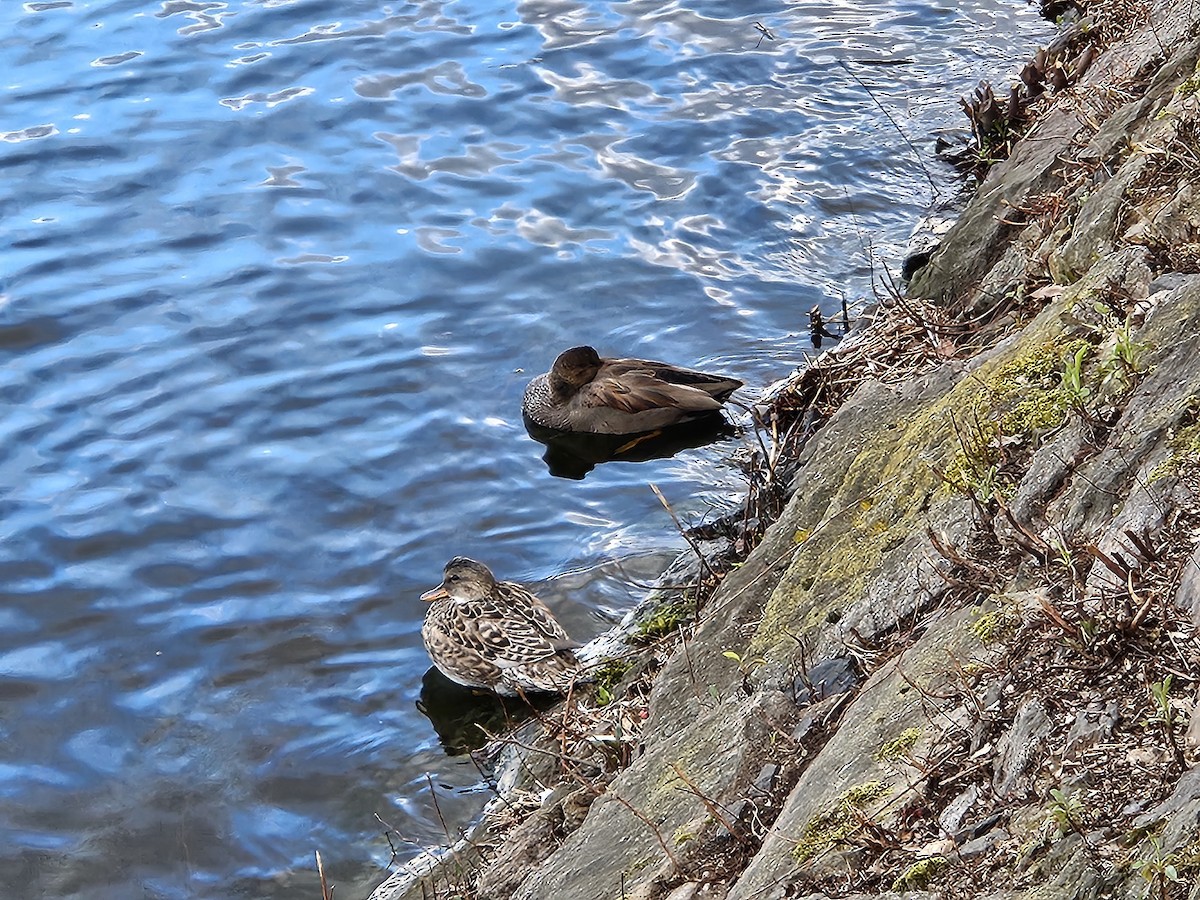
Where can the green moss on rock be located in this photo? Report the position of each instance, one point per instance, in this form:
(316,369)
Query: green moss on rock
(869,503)
(917,876)
(608,676)
(899,746)
(1028,394)
(838,821)
(663,621)
(1185,449)
(994,625)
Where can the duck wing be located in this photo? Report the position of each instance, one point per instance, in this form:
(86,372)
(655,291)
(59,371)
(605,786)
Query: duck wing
(457,658)
(639,390)
(517,629)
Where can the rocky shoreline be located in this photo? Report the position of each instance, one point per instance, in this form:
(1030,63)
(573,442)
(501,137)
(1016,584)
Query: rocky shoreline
(949,647)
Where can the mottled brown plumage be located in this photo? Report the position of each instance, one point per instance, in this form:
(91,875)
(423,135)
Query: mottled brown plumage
(492,634)
(586,392)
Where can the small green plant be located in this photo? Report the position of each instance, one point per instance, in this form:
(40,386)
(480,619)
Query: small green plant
(1159,869)
(1064,555)
(1160,691)
(983,485)
(975,468)
(1066,811)
(746,666)
(1122,363)
(607,677)
(1028,393)
(1126,351)
(1121,355)
(1075,391)
(665,620)
(1088,629)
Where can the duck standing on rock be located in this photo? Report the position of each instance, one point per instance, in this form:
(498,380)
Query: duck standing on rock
(484,633)
(585,392)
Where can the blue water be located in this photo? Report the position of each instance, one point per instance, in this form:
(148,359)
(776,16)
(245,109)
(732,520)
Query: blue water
(275,273)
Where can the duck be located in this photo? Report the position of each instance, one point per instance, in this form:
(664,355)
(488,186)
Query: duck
(589,393)
(496,635)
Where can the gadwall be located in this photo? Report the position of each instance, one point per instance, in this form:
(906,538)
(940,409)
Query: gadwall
(484,633)
(585,392)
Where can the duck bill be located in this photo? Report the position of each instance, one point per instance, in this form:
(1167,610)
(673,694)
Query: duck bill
(438,593)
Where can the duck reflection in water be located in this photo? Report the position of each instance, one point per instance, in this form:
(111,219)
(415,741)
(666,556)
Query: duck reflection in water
(463,717)
(572,455)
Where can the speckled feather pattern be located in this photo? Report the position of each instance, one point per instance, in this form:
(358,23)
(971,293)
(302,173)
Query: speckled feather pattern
(508,642)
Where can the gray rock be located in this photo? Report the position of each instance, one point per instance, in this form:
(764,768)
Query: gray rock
(764,784)
(1187,595)
(1020,750)
(1070,874)
(825,679)
(1171,281)
(927,235)
(815,718)
(951,818)
(1092,236)
(984,844)
(524,847)
(1186,796)
(1091,726)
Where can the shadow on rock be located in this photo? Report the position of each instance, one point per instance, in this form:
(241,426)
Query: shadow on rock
(463,717)
(572,455)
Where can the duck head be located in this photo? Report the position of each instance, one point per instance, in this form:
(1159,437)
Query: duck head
(463,581)
(574,368)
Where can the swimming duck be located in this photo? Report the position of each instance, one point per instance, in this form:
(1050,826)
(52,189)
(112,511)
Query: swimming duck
(584,391)
(484,633)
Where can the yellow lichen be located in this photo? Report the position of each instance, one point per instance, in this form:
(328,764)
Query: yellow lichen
(1027,392)
(682,836)
(976,464)
(1191,85)
(1025,397)
(637,866)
